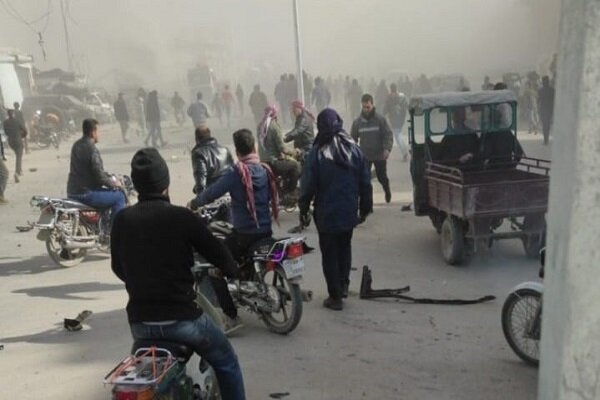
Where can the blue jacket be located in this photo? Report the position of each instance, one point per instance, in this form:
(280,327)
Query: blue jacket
(337,191)
(231,183)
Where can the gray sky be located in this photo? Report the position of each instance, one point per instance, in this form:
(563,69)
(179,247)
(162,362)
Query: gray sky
(157,41)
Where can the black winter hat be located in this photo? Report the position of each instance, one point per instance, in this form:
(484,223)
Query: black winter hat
(149,172)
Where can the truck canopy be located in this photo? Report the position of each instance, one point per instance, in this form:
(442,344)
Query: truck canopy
(421,103)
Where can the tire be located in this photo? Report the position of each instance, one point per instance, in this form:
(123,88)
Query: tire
(452,239)
(533,243)
(288,294)
(68,258)
(526,299)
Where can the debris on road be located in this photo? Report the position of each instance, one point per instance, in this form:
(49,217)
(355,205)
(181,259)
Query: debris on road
(279,395)
(74,325)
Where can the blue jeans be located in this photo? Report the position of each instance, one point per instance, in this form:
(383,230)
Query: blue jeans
(103,198)
(209,342)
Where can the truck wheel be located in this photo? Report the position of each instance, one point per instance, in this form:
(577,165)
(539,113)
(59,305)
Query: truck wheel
(453,241)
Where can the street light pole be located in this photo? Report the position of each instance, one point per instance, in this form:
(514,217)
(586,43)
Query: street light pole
(300,79)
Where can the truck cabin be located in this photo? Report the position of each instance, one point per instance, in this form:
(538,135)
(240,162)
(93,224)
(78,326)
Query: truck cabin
(464,129)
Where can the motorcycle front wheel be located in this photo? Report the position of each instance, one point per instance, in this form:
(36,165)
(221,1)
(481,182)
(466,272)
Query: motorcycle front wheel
(63,257)
(518,316)
(287,298)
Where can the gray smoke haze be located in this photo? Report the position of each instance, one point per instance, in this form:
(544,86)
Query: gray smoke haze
(154,42)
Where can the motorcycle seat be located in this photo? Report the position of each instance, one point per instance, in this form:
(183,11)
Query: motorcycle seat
(180,351)
(69,203)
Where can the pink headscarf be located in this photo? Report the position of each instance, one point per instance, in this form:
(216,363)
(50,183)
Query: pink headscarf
(270,114)
(299,104)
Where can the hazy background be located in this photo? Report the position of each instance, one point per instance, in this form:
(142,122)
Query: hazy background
(154,42)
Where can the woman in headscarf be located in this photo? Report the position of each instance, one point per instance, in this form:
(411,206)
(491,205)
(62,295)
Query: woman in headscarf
(337,180)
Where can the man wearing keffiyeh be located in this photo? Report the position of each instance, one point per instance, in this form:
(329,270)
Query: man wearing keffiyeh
(336,177)
(273,152)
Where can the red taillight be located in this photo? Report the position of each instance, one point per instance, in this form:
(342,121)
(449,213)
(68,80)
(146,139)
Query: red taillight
(91,216)
(271,265)
(133,393)
(295,250)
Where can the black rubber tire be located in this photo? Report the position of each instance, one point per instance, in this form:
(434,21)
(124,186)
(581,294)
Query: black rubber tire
(295,297)
(507,310)
(75,256)
(452,240)
(533,243)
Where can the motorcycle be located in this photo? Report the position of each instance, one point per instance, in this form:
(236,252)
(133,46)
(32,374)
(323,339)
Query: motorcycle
(44,135)
(157,369)
(70,228)
(270,277)
(522,318)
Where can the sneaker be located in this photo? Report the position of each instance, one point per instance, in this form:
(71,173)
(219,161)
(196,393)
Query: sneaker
(333,304)
(231,325)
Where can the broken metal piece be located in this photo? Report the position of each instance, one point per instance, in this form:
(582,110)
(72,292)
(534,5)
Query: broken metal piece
(367,292)
(74,325)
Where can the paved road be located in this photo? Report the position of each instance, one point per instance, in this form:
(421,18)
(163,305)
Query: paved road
(371,350)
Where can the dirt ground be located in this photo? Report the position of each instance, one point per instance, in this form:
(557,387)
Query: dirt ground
(372,350)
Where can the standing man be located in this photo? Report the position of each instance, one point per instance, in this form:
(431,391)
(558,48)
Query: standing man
(227,104)
(15,133)
(320,97)
(19,116)
(122,116)
(210,160)
(395,109)
(239,94)
(140,103)
(177,103)
(280,94)
(546,108)
(153,118)
(374,135)
(336,177)
(3,181)
(353,97)
(152,251)
(258,102)
(198,111)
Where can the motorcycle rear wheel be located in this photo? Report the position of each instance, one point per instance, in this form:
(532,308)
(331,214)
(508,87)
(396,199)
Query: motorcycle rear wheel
(518,313)
(62,257)
(288,295)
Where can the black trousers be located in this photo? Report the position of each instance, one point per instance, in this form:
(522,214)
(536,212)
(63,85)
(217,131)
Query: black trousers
(546,125)
(336,256)
(124,128)
(18,149)
(289,170)
(381,173)
(238,244)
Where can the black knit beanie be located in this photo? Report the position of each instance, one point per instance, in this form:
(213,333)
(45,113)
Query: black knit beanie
(149,172)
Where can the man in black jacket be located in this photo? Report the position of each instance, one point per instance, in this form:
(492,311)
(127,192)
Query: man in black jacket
(122,116)
(15,132)
(152,252)
(88,182)
(210,160)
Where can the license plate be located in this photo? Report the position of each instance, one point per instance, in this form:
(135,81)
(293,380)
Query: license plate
(294,267)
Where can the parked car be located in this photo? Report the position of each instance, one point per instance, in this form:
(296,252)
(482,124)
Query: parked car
(101,109)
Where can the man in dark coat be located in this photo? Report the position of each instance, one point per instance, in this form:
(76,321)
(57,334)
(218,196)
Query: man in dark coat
(15,132)
(337,179)
(153,120)
(546,107)
(122,116)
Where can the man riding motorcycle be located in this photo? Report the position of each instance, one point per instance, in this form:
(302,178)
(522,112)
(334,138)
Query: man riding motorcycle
(88,182)
(152,251)
(210,160)
(303,133)
(251,185)
(273,152)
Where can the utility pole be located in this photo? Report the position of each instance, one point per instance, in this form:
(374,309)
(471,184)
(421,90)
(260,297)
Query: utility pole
(67,42)
(300,79)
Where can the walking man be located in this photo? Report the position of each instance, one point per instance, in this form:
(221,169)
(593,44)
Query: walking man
(153,118)
(19,116)
(395,109)
(198,111)
(15,132)
(257,102)
(336,177)
(3,181)
(374,135)
(546,100)
(122,116)
(239,94)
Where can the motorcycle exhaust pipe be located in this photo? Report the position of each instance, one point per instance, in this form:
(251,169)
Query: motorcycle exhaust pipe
(74,245)
(307,295)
